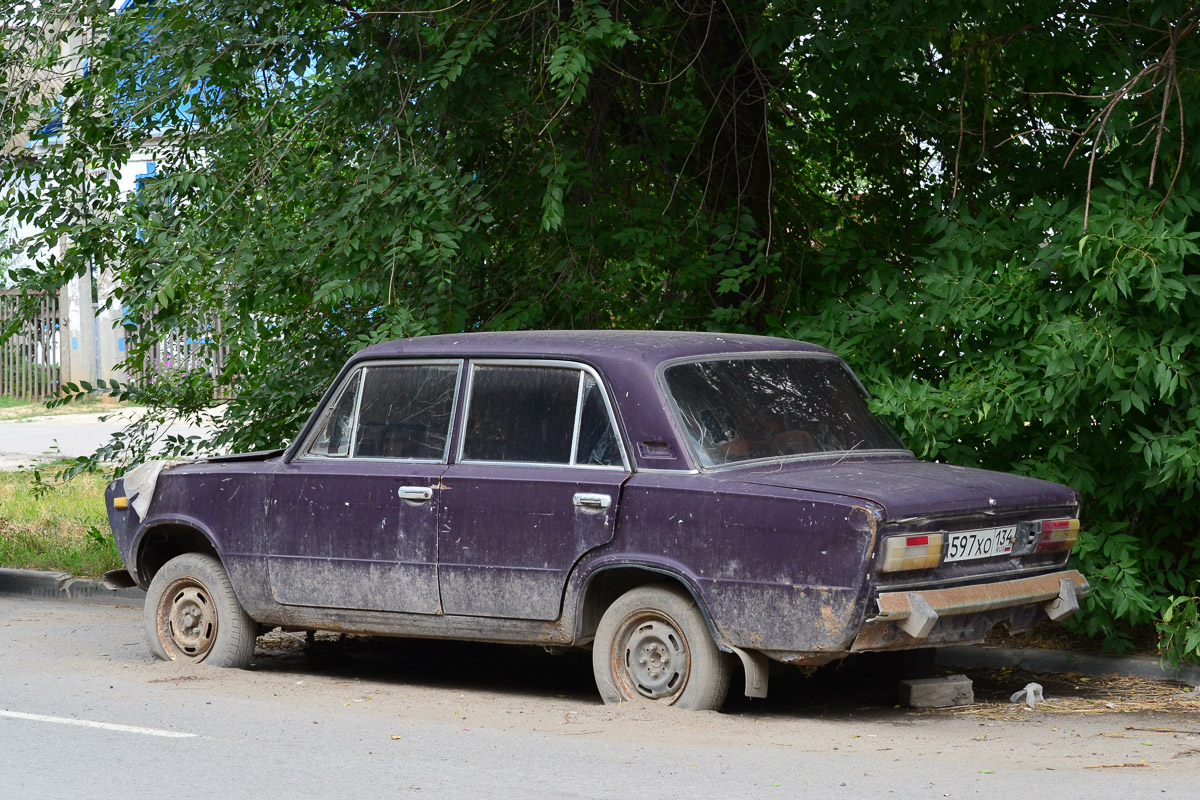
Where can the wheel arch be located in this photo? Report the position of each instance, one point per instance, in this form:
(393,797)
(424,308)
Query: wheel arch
(162,541)
(604,585)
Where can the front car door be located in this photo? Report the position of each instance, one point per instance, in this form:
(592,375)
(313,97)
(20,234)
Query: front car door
(354,517)
(535,485)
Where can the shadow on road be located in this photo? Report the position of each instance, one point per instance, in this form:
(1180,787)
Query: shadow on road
(858,687)
(849,688)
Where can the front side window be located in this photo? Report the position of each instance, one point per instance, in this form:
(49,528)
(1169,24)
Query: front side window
(745,409)
(391,411)
(406,412)
(539,415)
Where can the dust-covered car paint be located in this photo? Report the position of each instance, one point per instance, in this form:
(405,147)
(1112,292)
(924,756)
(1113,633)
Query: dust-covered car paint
(672,498)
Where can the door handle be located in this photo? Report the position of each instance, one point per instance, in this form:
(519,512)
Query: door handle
(589,500)
(415,494)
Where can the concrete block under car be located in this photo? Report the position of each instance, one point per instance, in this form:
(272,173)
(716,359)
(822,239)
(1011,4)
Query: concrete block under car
(952,690)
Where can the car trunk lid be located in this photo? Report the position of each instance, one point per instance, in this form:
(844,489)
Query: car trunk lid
(907,488)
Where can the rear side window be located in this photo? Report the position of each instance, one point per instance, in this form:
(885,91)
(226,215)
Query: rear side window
(539,415)
(597,444)
(391,411)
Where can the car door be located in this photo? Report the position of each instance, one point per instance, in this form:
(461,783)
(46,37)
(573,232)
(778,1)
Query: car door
(535,485)
(354,518)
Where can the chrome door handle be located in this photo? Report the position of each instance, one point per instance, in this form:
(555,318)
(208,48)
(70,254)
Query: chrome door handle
(588,500)
(415,494)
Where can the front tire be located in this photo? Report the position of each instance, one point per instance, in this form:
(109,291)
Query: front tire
(653,645)
(192,614)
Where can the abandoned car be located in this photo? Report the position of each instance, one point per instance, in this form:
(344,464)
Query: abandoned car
(682,503)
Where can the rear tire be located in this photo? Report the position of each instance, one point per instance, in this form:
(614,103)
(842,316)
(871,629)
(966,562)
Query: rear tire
(653,645)
(192,614)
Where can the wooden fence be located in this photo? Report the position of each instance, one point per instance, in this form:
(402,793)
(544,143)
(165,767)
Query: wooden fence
(178,352)
(29,360)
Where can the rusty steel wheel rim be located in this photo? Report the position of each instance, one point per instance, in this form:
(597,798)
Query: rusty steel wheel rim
(187,620)
(651,658)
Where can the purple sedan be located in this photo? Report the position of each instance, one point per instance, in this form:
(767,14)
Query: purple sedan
(682,503)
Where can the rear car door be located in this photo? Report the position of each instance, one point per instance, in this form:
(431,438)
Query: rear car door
(353,519)
(535,486)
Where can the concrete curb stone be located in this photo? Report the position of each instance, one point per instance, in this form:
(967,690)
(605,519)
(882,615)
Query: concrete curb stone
(63,586)
(1059,661)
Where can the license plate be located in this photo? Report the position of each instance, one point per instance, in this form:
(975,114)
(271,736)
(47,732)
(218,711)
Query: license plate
(967,545)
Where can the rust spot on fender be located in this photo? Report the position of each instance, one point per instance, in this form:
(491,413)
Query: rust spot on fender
(872,529)
(803,659)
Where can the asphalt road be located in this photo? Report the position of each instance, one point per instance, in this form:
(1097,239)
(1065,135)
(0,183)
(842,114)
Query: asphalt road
(86,711)
(24,442)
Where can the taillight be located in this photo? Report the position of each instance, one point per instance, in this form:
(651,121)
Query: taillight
(1057,535)
(923,551)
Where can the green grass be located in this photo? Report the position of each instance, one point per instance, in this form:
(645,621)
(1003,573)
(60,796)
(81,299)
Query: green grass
(11,402)
(64,529)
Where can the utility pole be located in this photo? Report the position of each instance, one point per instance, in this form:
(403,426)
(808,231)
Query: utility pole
(78,333)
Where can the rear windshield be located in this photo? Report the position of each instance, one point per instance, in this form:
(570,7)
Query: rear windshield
(745,409)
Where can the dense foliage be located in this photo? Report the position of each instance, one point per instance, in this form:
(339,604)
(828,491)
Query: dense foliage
(986,206)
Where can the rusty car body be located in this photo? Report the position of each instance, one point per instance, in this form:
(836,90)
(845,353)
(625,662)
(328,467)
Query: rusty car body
(673,500)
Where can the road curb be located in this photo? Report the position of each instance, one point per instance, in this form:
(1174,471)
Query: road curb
(63,586)
(1059,661)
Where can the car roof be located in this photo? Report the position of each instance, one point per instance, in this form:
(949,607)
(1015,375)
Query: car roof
(628,362)
(593,346)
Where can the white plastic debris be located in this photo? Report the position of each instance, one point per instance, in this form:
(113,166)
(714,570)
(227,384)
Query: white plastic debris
(139,485)
(1031,694)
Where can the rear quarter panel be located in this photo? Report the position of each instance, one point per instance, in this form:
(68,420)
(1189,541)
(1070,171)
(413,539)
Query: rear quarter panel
(778,569)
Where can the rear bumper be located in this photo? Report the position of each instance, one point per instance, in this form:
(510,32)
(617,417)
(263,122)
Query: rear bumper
(930,616)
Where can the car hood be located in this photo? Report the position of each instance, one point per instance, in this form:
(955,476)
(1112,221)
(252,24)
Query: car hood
(909,488)
(257,455)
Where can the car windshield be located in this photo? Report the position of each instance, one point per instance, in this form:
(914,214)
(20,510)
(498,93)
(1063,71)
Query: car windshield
(745,409)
